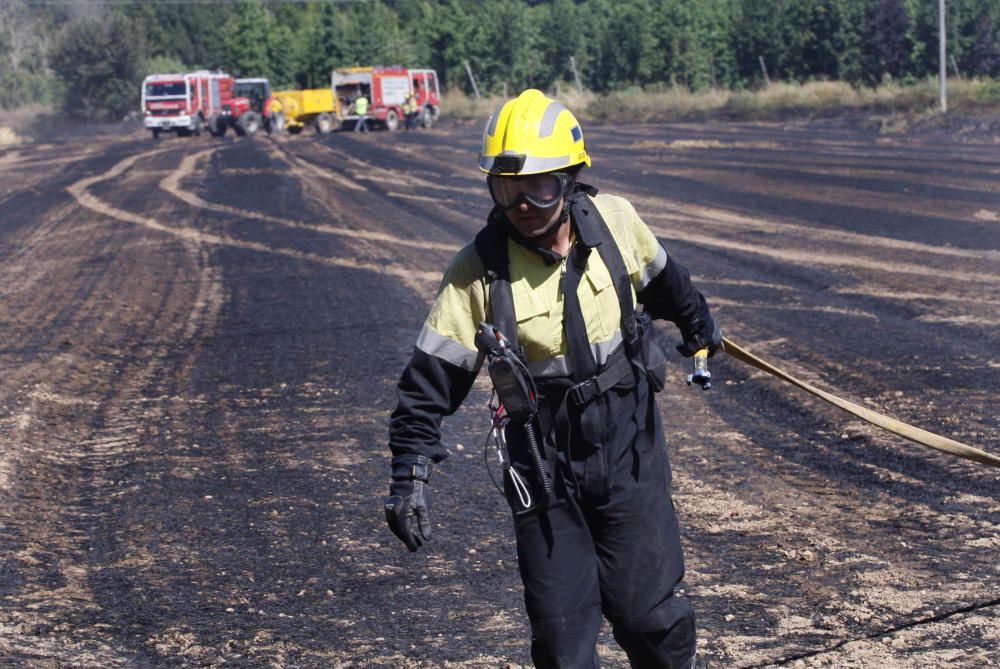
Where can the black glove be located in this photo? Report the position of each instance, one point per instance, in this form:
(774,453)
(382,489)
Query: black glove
(407,508)
(707,336)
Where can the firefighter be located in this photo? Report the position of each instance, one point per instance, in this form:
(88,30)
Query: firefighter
(571,265)
(410,110)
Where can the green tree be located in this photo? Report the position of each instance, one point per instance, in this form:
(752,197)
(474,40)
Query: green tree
(983,57)
(189,33)
(247,36)
(25,43)
(385,42)
(504,47)
(888,46)
(163,65)
(417,26)
(972,36)
(694,35)
(450,35)
(757,34)
(324,42)
(100,63)
(561,38)
(627,51)
(848,41)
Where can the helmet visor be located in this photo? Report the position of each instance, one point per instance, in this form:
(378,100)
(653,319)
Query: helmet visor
(538,190)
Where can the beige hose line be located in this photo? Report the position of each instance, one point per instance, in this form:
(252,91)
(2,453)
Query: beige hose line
(910,432)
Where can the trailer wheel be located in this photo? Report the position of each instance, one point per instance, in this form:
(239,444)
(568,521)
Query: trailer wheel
(249,123)
(392,120)
(323,123)
(277,124)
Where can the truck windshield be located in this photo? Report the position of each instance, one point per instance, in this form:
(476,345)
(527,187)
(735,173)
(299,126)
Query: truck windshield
(172,89)
(253,91)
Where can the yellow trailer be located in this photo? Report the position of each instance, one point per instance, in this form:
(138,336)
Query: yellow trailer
(314,106)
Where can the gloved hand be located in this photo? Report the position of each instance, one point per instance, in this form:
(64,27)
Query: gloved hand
(708,336)
(407,508)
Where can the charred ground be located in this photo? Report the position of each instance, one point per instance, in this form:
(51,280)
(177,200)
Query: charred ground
(200,340)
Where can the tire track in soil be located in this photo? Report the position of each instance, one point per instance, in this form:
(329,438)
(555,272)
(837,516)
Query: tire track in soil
(450,205)
(79,190)
(63,481)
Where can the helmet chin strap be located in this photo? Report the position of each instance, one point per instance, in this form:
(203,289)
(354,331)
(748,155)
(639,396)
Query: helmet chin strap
(569,194)
(551,230)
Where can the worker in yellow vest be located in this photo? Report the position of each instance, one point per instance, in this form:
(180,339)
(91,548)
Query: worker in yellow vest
(410,109)
(361,109)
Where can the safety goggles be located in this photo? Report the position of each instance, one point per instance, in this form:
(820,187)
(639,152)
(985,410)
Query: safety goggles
(539,190)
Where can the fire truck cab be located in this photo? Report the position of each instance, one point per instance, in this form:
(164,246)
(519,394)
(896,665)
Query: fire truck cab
(187,103)
(386,89)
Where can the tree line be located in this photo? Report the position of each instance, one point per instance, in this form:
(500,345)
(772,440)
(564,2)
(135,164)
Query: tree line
(90,57)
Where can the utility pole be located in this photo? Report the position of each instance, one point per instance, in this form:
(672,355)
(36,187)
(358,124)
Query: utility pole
(576,75)
(468,68)
(943,70)
(763,68)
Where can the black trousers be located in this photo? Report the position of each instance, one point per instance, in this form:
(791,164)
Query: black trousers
(608,543)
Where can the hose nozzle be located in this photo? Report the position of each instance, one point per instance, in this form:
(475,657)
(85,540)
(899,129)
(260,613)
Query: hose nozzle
(700,374)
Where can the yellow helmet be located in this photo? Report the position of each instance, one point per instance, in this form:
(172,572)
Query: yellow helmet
(531,134)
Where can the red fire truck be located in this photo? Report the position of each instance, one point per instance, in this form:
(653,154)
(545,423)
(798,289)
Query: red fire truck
(187,103)
(386,89)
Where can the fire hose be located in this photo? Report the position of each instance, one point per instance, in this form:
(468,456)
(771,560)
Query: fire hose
(914,434)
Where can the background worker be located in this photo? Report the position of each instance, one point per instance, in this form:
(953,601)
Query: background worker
(361,109)
(410,110)
(606,538)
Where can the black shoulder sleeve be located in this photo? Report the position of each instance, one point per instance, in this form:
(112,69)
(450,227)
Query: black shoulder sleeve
(671,296)
(429,389)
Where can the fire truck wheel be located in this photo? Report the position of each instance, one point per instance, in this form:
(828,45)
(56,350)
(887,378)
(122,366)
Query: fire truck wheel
(391,120)
(323,123)
(426,117)
(216,126)
(249,123)
(156,133)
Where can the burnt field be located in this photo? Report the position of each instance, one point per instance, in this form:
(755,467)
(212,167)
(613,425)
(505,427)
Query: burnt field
(200,341)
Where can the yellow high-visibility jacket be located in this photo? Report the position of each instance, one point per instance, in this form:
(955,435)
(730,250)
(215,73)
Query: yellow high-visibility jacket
(446,361)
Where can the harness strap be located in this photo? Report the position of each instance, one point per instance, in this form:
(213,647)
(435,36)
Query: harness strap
(584,208)
(491,245)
